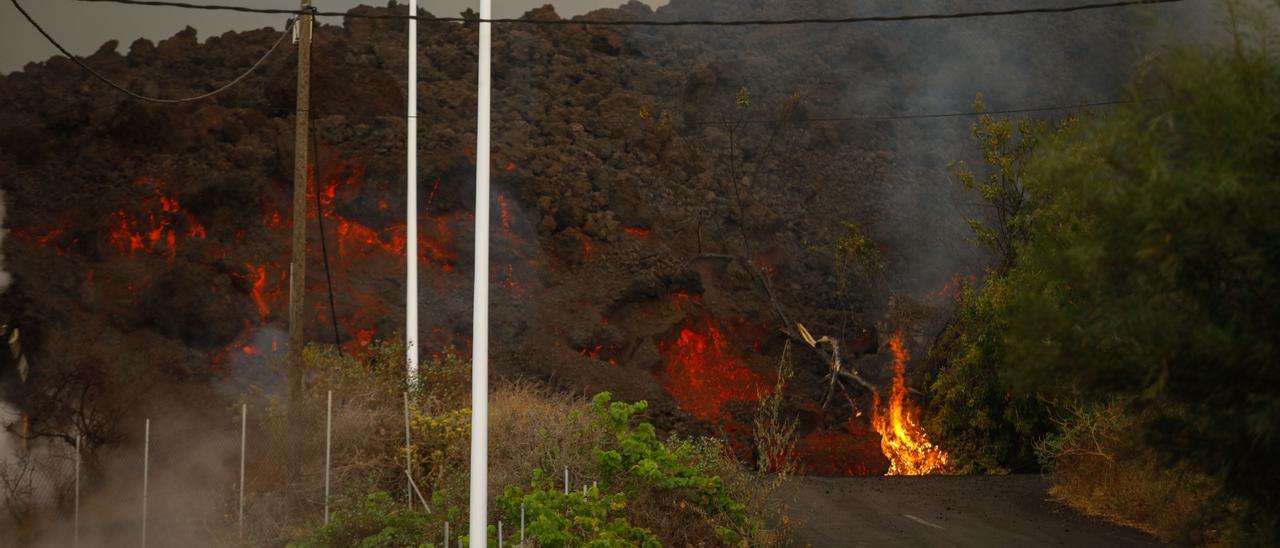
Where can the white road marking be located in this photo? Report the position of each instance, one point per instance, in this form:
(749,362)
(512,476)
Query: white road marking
(921,522)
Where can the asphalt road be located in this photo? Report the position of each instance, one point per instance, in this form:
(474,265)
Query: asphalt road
(942,511)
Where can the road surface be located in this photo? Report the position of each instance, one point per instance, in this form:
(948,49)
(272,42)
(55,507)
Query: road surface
(942,511)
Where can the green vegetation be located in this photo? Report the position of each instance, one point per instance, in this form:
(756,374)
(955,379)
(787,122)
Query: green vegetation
(375,521)
(1134,303)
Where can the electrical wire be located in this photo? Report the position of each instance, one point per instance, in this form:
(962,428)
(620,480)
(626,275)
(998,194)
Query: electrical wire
(749,121)
(140,97)
(324,245)
(651,23)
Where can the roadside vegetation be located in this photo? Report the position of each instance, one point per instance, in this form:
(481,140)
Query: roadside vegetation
(1126,339)
(627,485)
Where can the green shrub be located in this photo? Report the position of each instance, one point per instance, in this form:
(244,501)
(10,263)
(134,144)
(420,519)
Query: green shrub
(972,413)
(558,519)
(372,522)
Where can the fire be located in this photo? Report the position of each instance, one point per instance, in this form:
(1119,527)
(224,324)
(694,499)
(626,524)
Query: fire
(902,439)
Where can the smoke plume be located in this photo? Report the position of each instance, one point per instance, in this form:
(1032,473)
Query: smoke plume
(5,280)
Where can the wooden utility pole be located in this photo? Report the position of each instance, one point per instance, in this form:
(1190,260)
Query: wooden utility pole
(298,264)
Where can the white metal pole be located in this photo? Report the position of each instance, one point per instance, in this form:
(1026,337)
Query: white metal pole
(480,307)
(244,428)
(446,534)
(328,444)
(146,464)
(408,455)
(499,534)
(411,196)
(566,480)
(522,524)
(77,519)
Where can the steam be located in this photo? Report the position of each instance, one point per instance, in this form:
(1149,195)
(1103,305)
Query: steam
(5,279)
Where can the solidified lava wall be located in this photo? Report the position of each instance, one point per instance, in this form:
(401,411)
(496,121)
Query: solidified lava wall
(149,243)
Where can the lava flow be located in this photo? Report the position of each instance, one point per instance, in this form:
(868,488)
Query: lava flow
(703,373)
(902,439)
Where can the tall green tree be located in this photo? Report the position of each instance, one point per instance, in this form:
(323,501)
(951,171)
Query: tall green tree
(1151,274)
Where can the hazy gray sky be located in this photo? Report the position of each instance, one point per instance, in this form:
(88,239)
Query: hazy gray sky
(83,27)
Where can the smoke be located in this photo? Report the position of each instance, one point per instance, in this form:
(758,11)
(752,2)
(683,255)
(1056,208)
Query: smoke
(5,279)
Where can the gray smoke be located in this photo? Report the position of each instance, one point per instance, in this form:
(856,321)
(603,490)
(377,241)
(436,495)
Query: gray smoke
(5,280)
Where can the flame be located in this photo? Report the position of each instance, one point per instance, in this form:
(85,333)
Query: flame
(902,439)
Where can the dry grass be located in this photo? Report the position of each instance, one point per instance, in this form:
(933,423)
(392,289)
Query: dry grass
(535,427)
(531,427)
(1100,470)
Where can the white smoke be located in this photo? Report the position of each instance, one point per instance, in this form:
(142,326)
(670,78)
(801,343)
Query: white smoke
(4,276)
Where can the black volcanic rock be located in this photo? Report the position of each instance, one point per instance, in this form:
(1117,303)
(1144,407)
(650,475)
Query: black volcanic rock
(619,157)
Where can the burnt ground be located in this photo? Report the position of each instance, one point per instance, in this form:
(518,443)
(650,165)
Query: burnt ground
(943,511)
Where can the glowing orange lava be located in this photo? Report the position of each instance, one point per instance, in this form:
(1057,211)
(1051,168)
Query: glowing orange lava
(637,233)
(128,235)
(902,439)
(703,373)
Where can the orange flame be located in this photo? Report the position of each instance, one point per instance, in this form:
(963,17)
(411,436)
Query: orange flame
(902,439)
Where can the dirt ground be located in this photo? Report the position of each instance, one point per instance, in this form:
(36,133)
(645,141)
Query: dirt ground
(942,511)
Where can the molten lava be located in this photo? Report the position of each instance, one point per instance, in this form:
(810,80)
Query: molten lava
(703,373)
(902,439)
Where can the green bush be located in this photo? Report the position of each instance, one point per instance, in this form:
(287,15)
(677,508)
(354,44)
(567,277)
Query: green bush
(984,427)
(673,478)
(372,522)
(558,519)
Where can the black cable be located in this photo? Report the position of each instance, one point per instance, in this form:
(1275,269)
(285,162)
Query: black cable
(137,96)
(812,120)
(709,23)
(324,246)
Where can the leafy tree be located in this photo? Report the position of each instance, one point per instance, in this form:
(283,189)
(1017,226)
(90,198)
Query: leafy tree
(984,427)
(1152,275)
(972,413)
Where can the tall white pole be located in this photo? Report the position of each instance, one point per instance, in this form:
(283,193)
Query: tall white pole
(77,522)
(411,208)
(244,428)
(146,465)
(480,306)
(328,439)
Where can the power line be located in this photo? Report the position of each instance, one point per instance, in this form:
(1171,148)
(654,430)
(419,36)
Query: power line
(650,23)
(750,121)
(140,97)
(324,245)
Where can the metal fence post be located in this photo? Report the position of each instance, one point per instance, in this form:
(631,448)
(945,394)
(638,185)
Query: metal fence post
(146,465)
(77,518)
(244,428)
(408,455)
(328,444)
